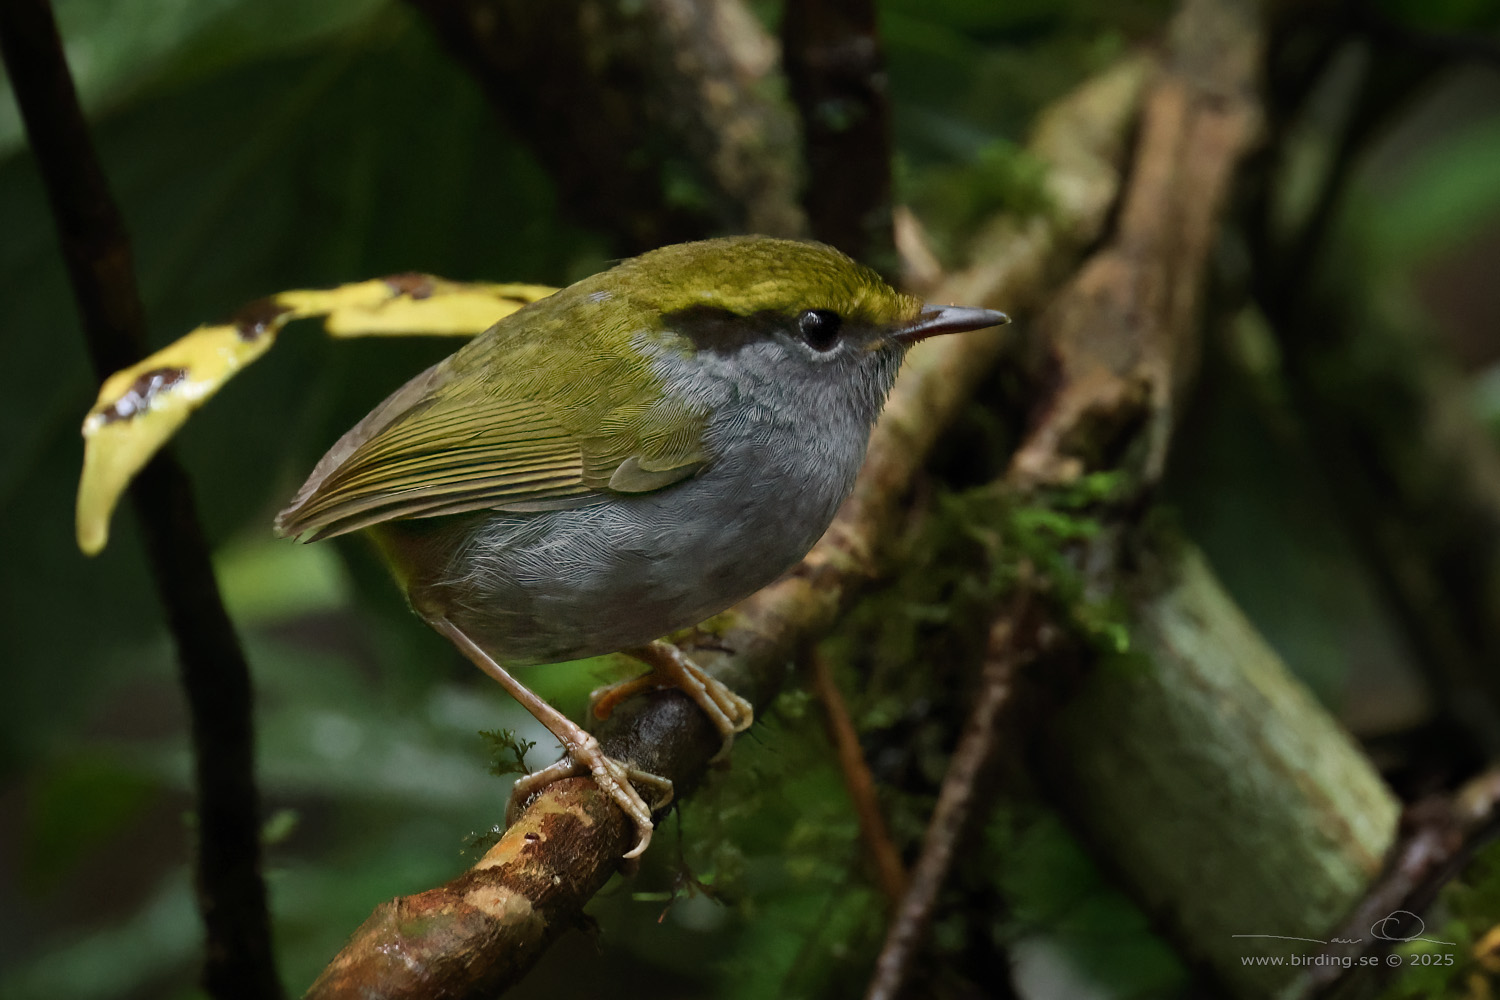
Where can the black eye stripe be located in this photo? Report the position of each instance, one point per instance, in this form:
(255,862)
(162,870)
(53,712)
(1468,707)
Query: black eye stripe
(820,328)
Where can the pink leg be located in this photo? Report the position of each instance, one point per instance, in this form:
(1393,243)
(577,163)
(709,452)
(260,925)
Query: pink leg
(584,755)
(670,667)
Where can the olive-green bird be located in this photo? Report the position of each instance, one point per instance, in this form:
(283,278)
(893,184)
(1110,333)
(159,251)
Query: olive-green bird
(623,459)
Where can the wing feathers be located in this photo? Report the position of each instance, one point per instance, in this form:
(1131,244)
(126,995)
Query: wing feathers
(473,433)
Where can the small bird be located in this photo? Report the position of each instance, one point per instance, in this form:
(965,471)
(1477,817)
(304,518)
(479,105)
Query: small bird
(623,459)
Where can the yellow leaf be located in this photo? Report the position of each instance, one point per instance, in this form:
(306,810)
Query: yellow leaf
(141,407)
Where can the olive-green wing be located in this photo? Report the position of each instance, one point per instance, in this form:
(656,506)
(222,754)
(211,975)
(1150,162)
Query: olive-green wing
(447,443)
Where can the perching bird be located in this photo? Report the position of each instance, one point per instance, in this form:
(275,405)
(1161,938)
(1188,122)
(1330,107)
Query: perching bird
(625,458)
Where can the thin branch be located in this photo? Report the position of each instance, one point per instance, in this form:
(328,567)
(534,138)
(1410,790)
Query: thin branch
(214,674)
(836,71)
(1439,837)
(482,931)
(890,873)
(1010,644)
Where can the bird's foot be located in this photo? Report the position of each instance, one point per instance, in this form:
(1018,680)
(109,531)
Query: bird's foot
(670,667)
(584,755)
(615,779)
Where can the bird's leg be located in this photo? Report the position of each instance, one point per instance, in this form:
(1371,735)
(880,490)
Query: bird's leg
(583,753)
(670,667)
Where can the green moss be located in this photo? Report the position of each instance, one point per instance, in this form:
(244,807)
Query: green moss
(507,751)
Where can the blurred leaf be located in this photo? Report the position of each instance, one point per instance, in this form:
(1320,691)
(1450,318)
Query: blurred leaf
(1443,15)
(115,49)
(1444,195)
(1056,892)
(74,808)
(273,579)
(160,943)
(966,72)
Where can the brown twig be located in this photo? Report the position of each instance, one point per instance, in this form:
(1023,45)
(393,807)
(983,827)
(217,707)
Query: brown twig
(214,674)
(1009,646)
(1439,837)
(836,72)
(484,929)
(890,873)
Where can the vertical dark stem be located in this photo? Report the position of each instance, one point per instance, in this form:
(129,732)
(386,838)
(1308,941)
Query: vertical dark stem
(834,63)
(214,673)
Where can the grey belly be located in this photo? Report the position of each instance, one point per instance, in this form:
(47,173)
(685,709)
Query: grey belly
(558,585)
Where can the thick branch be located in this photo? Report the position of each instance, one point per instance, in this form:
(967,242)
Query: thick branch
(490,921)
(1250,811)
(655,119)
(215,677)
(1122,337)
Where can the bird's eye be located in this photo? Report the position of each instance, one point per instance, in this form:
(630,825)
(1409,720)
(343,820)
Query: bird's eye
(820,328)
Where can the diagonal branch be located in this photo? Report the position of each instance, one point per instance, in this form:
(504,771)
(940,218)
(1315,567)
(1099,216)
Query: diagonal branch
(214,674)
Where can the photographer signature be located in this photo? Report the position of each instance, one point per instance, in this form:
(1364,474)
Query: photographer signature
(1387,928)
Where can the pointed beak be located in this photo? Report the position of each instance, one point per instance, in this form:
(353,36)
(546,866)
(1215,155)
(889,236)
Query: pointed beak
(934,321)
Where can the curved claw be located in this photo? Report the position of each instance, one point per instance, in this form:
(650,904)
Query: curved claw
(615,779)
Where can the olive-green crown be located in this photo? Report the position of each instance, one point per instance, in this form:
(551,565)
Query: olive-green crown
(746,275)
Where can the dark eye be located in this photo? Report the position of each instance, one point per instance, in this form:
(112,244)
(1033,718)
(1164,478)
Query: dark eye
(820,328)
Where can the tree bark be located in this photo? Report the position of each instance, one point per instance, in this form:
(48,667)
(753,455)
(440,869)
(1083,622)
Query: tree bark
(1202,772)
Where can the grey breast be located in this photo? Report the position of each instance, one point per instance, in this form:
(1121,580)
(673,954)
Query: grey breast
(622,571)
